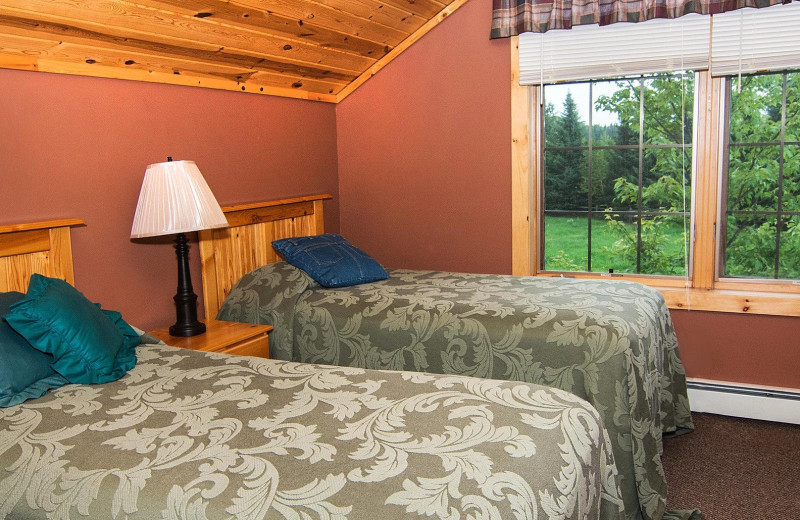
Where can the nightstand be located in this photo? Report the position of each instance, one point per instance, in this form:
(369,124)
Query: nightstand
(227,337)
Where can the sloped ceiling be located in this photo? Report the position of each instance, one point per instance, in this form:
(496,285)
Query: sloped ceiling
(309,49)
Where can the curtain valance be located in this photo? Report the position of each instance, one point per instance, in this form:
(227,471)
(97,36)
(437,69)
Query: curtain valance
(513,17)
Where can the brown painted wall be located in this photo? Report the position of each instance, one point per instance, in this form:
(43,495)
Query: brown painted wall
(424,153)
(78,147)
(758,350)
(424,177)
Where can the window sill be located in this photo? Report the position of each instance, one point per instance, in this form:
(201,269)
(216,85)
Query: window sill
(740,298)
(736,301)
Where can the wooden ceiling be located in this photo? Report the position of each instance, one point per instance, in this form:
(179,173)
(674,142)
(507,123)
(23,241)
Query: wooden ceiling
(309,49)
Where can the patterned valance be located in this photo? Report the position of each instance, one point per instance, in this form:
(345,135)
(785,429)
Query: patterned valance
(512,17)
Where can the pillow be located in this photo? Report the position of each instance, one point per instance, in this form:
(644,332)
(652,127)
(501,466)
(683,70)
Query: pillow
(89,345)
(330,260)
(25,373)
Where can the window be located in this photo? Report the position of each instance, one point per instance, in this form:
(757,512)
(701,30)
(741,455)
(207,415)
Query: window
(708,213)
(617,175)
(761,195)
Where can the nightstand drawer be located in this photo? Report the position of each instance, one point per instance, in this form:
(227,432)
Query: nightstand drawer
(228,337)
(258,347)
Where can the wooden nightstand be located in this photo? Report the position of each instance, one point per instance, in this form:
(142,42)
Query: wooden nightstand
(228,337)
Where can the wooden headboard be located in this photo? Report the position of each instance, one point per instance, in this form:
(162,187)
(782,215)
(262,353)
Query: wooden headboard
(41,247)
(229,253)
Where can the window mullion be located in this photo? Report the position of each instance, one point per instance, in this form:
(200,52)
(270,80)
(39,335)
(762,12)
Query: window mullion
(641,179)
(525,130)
(589,185)
(706,153)
(779,219)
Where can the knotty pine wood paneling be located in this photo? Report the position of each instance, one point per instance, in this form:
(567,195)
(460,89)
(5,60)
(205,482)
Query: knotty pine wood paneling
(309,49)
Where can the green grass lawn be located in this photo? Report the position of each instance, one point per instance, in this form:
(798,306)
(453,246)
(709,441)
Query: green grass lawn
(566,245)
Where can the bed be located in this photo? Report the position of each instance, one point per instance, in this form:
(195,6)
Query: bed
(609,342)
(198,435)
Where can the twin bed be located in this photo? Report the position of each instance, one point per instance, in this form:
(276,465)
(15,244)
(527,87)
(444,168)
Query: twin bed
(324,433)
(609,342)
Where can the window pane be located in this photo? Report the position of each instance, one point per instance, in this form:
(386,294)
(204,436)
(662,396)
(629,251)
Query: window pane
(791,179)
(565,180)
(568,110)
(756,108)
(668,105)
(661,251)
(753,175)
(663,180)
(615,174)
(793,107)
(605,115)
(789,265)
(610,234)
(616,104)
(750,246)
(565,241)
(664,245)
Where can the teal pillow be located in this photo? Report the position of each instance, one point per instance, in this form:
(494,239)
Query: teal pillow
(25,373)
(89,345)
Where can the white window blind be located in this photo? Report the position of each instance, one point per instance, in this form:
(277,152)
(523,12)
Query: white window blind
(594,52)
(756,40)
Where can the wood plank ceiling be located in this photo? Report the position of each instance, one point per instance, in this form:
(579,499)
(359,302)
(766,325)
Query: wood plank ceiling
(309,49)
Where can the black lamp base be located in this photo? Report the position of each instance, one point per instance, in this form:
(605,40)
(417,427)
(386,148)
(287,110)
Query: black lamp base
(184,330)
(187,323)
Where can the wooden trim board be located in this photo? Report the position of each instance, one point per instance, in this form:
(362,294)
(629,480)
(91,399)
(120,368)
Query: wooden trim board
(227,254)
(40,247)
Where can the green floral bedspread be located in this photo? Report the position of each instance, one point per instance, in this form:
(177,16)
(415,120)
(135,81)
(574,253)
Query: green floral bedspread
(194,435)
(609,342)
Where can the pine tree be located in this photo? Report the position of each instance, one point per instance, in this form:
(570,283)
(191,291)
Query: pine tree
(565,186)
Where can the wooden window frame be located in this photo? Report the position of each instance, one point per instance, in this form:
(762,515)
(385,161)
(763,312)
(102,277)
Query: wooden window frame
(703,290)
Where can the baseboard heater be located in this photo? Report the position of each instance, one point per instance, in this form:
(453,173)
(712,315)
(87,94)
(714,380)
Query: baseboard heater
(739,400)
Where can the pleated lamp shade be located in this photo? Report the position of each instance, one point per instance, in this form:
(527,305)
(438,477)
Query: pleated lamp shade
(175,199)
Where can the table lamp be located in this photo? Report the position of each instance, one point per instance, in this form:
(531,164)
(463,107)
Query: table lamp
(176,200)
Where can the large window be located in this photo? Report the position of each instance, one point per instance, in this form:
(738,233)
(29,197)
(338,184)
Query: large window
(697,193)
(624,165)
(761,195)
(617,175)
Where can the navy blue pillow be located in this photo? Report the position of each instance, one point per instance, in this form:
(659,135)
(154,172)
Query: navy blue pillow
(330,260)
(25,373)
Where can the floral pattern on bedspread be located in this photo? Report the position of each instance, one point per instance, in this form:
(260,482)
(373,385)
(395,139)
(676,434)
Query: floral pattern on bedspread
(609,342)
(196,435)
